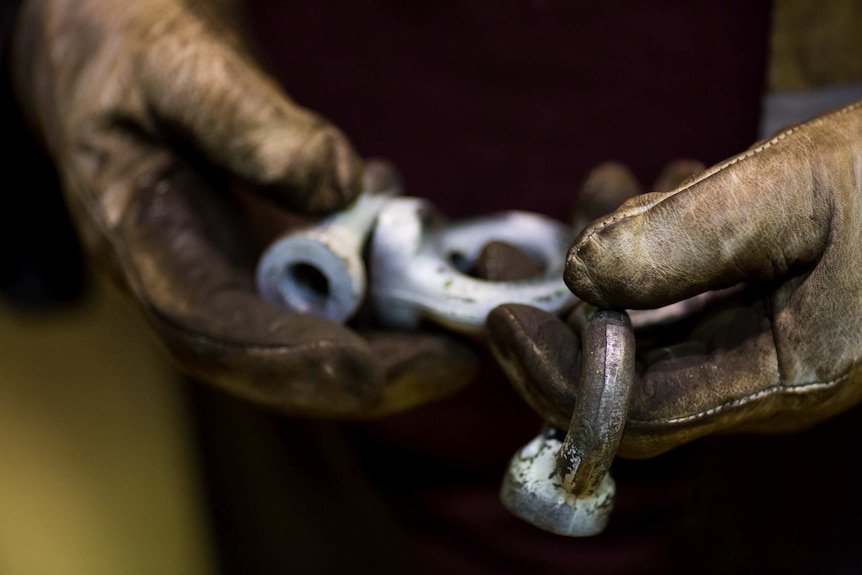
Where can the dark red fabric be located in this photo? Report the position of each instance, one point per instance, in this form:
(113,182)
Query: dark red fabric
(488,105)
(499,104)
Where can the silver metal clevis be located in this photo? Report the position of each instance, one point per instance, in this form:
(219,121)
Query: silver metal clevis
(407,260)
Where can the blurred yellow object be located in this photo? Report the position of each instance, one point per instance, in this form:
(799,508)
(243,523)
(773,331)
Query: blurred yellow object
(98,466)
(814,44)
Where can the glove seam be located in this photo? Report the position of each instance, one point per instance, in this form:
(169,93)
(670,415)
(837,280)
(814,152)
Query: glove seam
(779,388)
(163,320)
(719,168)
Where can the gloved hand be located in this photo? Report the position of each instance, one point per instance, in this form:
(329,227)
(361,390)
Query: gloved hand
(151,110)
(781,351)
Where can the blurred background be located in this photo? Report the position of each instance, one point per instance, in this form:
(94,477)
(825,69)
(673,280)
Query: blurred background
(97,463)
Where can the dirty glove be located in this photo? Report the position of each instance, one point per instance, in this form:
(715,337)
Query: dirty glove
(782,222)
(151,110)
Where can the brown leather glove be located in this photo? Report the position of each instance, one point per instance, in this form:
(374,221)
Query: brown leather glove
(783,223)
(151,109)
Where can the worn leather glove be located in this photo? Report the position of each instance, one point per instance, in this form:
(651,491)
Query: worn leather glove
(151,110)
(779,228)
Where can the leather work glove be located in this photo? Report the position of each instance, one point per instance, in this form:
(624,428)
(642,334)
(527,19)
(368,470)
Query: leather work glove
(152,110)
(775,234)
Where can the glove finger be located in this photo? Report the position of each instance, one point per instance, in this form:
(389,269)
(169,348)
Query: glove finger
(179,250)
(419,368)
(271,221)
(503,262)
(675,173)
(192,271)
(208,90)
(750,218)
(606,187)
(612,177)
(541,356)
(723,376)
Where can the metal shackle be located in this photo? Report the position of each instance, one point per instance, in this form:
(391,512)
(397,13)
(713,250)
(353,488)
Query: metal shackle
(561,481)
(319,270)
(415,275)
(411,264)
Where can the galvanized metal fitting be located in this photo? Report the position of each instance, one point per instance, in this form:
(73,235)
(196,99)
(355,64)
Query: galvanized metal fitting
(417,262)
(563,485)
(413,272)
(320,270)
